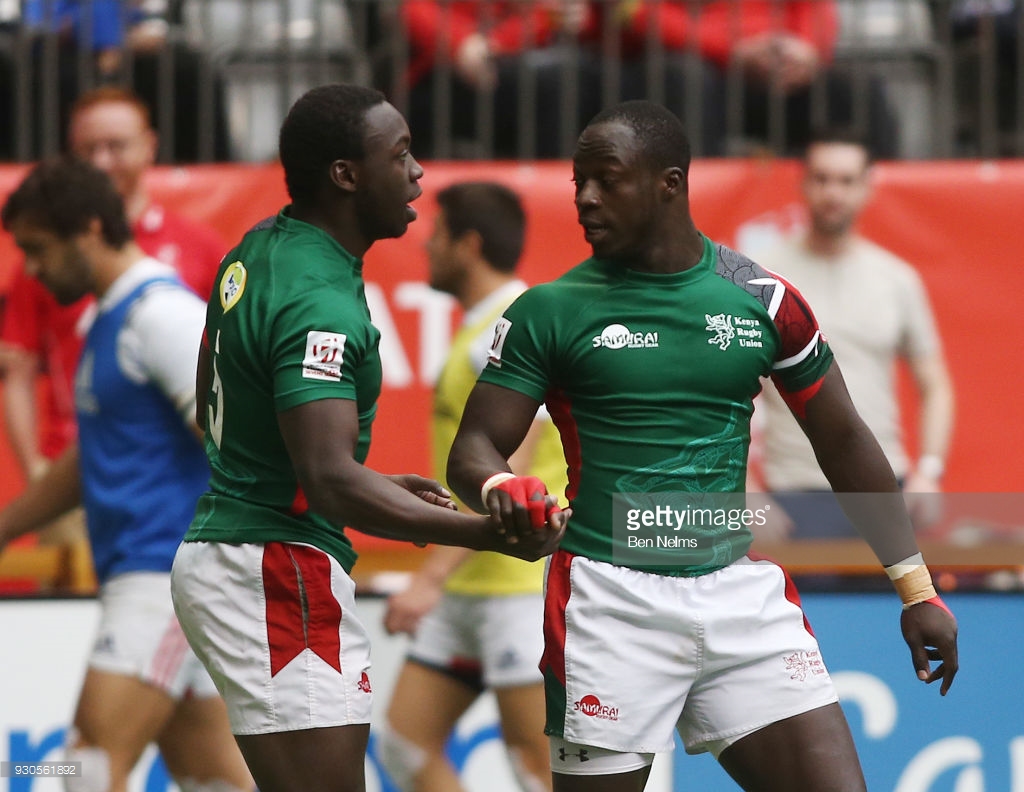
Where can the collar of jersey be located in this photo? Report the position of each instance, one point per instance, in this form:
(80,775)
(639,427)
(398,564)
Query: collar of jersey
(694,273)
(288,223)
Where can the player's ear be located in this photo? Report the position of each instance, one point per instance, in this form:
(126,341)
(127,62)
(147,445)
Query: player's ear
(343,175)
(673,182)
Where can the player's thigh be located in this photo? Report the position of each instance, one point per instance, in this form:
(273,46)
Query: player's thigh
(328,759)
(813,750)
(620,655)
(276,627)
(196,743)
(521,710)
(760,662)
(426,703)
(633,781)
(120,715)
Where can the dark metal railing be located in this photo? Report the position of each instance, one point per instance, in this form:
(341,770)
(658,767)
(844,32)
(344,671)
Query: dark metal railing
(923,78)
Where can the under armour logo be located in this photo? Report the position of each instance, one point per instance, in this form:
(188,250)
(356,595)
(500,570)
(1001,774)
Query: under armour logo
(582,755)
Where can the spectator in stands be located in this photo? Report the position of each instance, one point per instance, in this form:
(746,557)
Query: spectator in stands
(127,44)
(476,618)
(109,128)
(783,45)
(969,18)
(874,310)
(491,51)
(139,469)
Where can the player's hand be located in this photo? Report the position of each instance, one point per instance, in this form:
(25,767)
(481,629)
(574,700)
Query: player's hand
(519,506)
(407,608)
(542,542)
(930,632)
(425,489)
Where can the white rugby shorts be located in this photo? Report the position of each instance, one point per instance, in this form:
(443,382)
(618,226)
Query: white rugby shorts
(139,636)
(486,642)
(630,655)
(275,625)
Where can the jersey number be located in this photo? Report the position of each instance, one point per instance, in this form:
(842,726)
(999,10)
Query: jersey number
(215,416)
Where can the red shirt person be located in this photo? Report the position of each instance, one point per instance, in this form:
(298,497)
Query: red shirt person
(111,128)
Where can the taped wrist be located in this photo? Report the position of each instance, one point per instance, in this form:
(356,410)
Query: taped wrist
(527,491)
(492,482)
(913,581)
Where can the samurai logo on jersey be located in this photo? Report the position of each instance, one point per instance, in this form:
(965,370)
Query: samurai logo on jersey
(616,336)
(324,354)
(591,705)
(726,327)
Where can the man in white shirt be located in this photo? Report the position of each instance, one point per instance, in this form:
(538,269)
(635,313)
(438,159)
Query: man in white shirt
(874,310)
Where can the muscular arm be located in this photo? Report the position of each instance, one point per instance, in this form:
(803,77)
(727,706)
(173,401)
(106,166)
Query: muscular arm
(21,371)
(853,462)
(494,424)
(321,438)
(45,499)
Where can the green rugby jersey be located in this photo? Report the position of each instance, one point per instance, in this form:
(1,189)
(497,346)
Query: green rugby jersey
(287,324)
(650,379)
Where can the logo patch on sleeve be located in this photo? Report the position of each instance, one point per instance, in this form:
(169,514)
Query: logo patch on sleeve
(500,332)
(324,354)
(232,285)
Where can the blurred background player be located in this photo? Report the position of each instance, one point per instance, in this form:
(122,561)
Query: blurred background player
(476,618)
(138,469)
(874,310)
(109,127)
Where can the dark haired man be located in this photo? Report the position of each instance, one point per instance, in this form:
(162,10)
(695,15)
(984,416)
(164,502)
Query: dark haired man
(648,356)
(138,468)
(475,617)
(289,375)
(109,127)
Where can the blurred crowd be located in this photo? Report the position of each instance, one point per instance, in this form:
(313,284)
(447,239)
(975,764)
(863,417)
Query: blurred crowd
(518,79)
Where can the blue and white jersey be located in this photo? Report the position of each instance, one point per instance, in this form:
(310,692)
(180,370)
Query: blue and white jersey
(142,467)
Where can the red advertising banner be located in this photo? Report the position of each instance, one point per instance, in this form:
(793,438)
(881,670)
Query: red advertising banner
(953,221)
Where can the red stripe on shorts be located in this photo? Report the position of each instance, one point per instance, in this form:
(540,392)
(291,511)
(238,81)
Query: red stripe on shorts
(555,601)
(791,593)
(302,612)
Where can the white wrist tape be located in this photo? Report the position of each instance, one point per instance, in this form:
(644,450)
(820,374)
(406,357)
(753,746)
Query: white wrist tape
(901,568)
(492,482)
(912,580)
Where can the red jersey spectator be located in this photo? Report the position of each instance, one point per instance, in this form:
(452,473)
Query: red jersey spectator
(788,43)
(488,48)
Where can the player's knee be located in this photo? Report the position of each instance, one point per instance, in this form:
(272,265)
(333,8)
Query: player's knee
(402,758)
(208,785)
(532,773)
(94,773)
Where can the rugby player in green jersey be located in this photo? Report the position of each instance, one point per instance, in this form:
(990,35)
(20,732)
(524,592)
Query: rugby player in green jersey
(288,379)
(648,356)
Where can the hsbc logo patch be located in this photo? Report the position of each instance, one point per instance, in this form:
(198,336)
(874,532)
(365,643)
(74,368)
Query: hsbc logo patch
(324,354)
(591,706)
(498,342)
